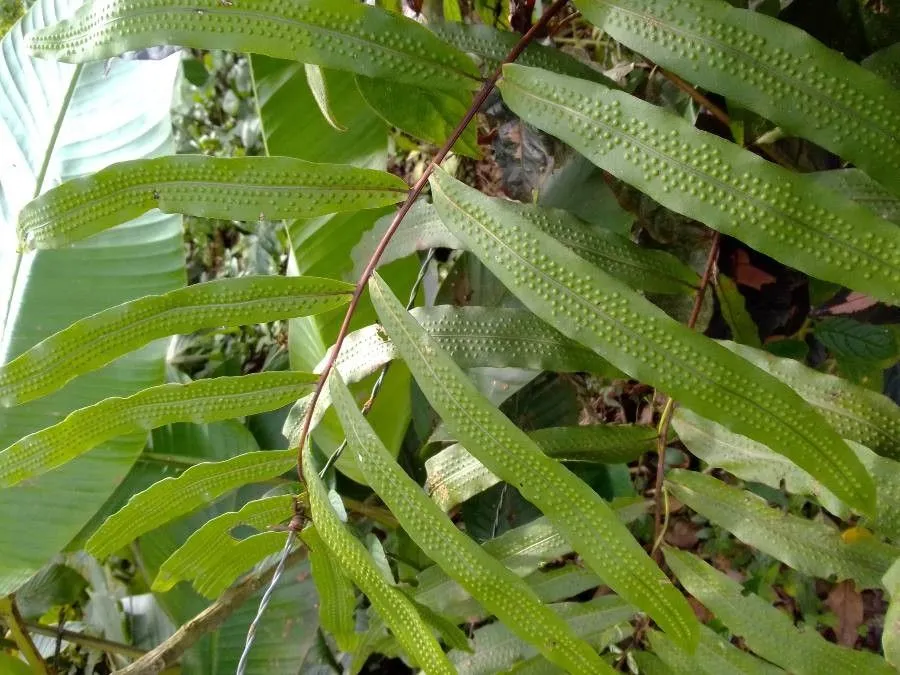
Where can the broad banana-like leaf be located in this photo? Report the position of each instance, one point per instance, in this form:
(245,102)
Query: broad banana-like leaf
(336,34)
(294,127)
(856,185)
(808,546)
(389,602)
(203,559)
(767,631)
(584,303)
(769,67)
(753,461)
(855,412)
(337,596)
(714,656)
(171,498)
(58,122)
(454,475)
(778,212)
(96,340)
(498,589)
(643,269)
(498,649)
(581,515)
(232,188)
(200,401)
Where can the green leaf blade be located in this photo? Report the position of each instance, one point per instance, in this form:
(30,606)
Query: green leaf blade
(768,632)
(587,305)
(808,546)
(715,656)
(770,67)
(99,339)
(337,596)
(856,413)
(492,46)
(203,556)
(390,603)
(890,639)
(200,401)
(780,213)
(233,188)
(454,475)
(500,591)
(580,514)
(331,33)
(171,498)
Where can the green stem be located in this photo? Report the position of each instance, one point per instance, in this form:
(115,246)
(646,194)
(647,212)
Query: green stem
(51,145)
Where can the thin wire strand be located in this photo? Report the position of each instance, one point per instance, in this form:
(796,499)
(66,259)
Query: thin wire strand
(264,602)
(292,536)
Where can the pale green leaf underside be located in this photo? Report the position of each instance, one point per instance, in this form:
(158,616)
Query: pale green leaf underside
(205,558)
(337,595)
(809,546)
(474,337)
(332,33)
(232,188)
(171,498)
(855,412)
(767,66)
(584,303)
(767,631)
(497,649)
(454,475)
(714,656)
(890,639)
(644,269)
(581,515)
(778,212)
(389,602)
(499,590)
(99,339)
(753,461)
(200,401)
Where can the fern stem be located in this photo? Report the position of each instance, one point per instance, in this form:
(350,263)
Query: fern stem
(659,529)
(414,193)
